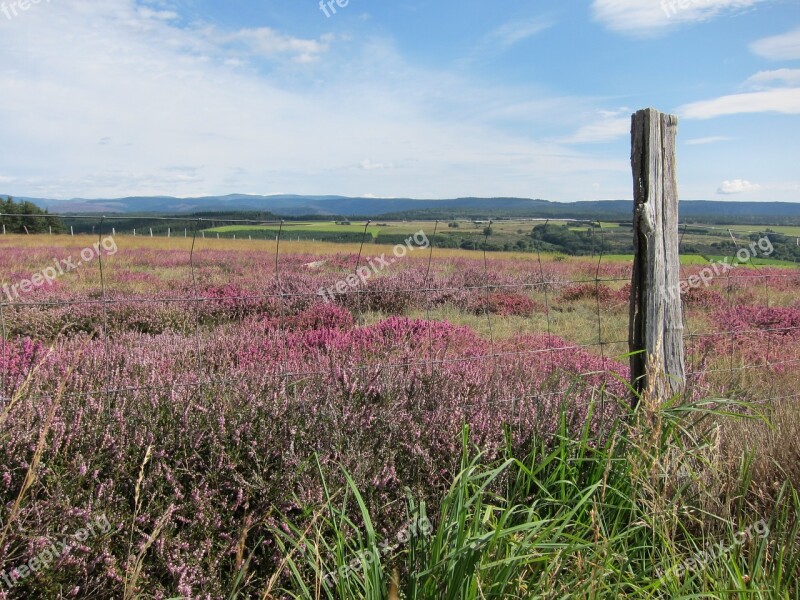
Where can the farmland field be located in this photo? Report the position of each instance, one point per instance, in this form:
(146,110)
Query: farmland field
(400,300)
(196,393)
(290,227)
(701,243)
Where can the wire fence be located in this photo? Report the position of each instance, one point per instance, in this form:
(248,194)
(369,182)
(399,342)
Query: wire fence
(213,305)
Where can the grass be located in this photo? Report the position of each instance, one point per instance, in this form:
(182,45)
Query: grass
(581,516)
(620,516)
(266,246)
(756,262)
(792,230)
(329,248)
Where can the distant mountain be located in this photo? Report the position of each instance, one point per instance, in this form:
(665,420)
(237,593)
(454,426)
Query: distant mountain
(409,208)
(286,205)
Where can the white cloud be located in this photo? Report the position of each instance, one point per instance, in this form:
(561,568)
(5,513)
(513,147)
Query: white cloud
(162,15)
(368,165)
(607,126)
(268,43)
(785,76)
(707,140)
(780,100)
(4,179)
(643,17)
(737,186)
(133,94)
(514,32)
(785,46)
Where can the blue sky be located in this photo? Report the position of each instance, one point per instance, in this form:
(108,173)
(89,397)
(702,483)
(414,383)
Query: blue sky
(421,98)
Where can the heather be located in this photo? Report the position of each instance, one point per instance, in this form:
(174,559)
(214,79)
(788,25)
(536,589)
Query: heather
(238,431)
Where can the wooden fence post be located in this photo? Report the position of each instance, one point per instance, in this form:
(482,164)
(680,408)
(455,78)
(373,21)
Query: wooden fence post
(656,322)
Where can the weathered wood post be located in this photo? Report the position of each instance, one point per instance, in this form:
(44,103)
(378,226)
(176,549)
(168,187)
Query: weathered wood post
(656,322)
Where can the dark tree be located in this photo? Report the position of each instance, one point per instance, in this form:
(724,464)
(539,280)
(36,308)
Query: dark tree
(26,217)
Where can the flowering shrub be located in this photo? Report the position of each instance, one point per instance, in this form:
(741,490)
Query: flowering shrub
(16,361)
(779,321)
(587,291)
(321,315)
(702,297)
(232,302)
(753,335)
(505,304)
(203,437)
(386,401)
(389,294)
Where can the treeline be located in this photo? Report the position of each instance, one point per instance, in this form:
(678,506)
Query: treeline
(26,217)
(592,240)
(161,225)
(757,214)
(177,225)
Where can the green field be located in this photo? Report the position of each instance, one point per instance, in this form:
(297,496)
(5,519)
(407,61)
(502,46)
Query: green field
(700,244)
(292,227)
(786,229)
(757,262)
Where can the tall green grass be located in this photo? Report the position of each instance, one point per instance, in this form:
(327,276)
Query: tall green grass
(617,516)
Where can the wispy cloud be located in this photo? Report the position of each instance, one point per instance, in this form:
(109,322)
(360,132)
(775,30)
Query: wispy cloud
(269,43)
(160,15)
(779,100)
(708,140)
(607,126)
(502,38)
(785,46)
(368,165)
(648,17)
(737,186)
(762,78)
(515,32)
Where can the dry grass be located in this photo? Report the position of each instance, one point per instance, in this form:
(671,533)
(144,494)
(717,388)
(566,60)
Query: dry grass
(269,247)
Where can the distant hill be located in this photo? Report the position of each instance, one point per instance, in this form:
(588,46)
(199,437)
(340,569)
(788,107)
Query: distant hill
(764,213)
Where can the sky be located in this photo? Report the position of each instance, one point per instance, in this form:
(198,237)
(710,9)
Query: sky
(379,98)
